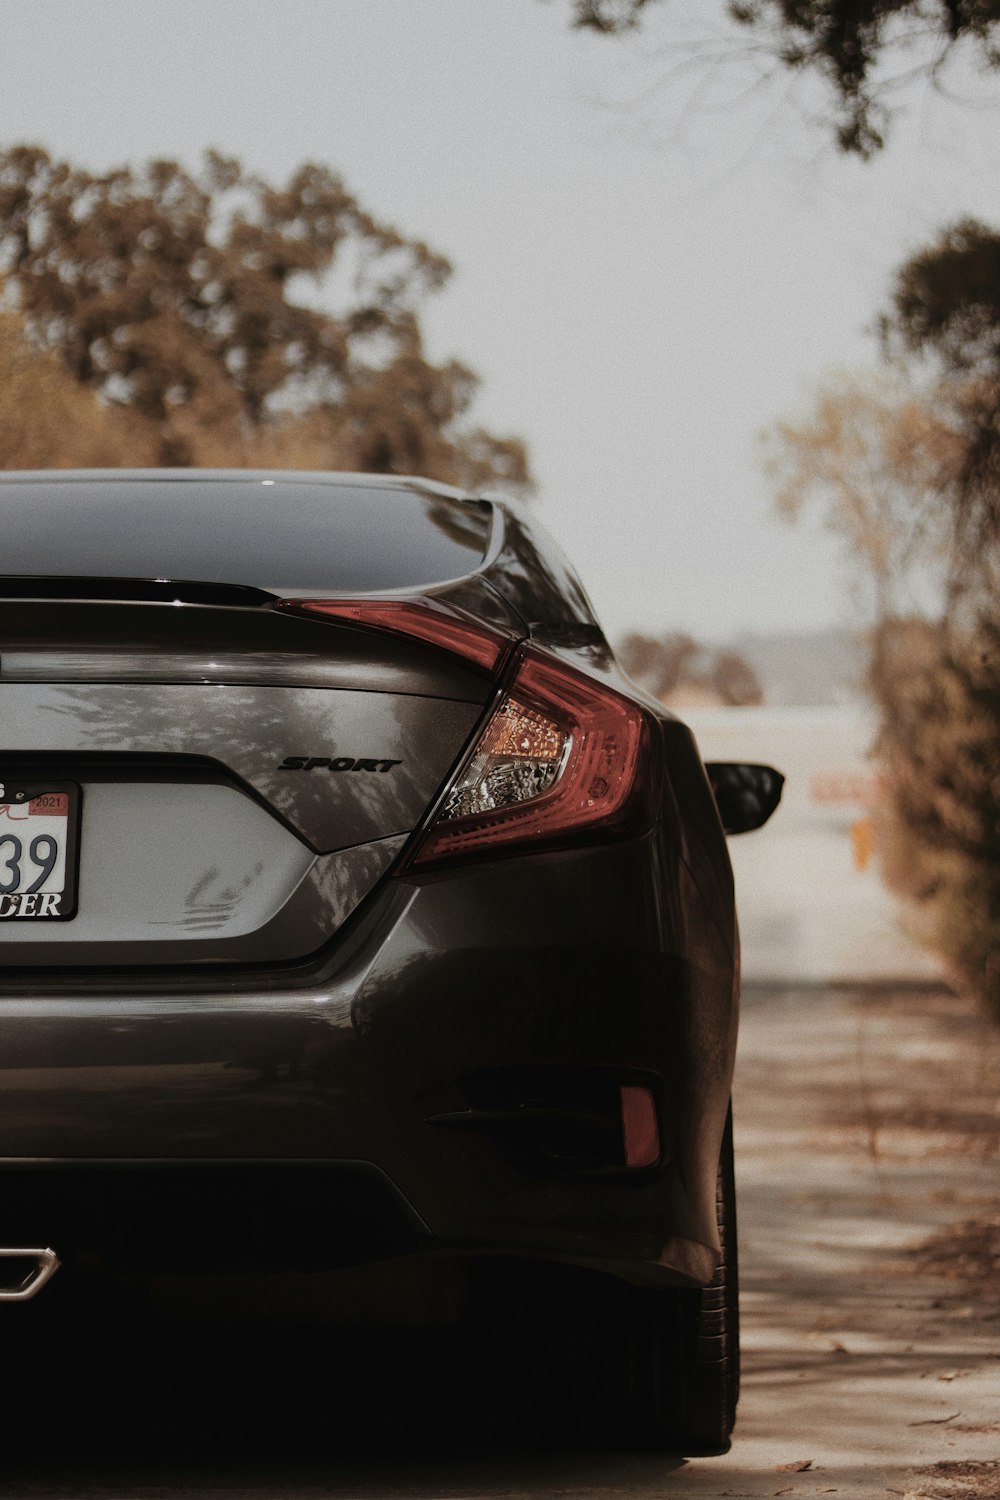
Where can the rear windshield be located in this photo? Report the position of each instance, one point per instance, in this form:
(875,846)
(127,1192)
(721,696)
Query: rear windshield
(271,534)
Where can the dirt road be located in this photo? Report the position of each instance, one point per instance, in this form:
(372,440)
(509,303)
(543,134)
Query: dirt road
(867,1156)
(868,1150)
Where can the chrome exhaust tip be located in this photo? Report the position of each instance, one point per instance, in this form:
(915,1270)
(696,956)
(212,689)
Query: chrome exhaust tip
(28,1273)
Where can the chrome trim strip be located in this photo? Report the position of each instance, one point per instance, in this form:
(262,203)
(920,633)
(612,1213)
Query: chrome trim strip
(265,668)
(46,1265)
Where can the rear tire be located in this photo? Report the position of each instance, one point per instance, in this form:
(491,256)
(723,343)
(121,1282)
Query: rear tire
(582,1357)
(684,1348)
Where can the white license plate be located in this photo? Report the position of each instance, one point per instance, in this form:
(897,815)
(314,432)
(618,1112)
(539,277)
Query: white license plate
(38,850)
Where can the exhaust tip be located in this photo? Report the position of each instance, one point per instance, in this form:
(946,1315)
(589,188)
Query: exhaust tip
(23,1273)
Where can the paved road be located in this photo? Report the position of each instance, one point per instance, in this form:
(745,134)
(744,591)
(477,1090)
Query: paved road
(866,1126)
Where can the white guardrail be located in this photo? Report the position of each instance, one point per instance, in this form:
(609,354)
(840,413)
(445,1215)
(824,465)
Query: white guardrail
(811,904)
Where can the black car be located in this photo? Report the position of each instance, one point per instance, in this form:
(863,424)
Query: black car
(360,921)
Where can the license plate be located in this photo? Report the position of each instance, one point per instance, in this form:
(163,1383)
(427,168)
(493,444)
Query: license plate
(39,821)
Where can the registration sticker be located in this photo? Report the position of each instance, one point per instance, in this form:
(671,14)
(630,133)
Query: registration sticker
(38,850)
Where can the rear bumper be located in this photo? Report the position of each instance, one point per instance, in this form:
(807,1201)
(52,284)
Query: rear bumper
(226,1117)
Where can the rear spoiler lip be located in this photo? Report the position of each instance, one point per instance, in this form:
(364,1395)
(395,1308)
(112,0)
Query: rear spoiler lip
(132,591)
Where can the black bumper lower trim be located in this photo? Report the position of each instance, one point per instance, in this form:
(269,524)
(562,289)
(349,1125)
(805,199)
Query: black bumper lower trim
(207,1215)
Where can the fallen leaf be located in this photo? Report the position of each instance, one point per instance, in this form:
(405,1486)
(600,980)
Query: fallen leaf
(953,1375)
(798,1467)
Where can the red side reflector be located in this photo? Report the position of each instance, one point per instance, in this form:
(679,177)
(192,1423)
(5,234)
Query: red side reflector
(420,619)
(640,1130)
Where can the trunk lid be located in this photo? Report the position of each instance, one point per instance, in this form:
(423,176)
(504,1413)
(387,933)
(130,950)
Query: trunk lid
(245,776)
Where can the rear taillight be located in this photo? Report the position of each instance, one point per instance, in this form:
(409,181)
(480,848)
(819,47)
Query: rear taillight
(420,619)
(562,756)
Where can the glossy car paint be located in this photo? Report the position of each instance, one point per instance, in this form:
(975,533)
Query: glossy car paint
(257,977)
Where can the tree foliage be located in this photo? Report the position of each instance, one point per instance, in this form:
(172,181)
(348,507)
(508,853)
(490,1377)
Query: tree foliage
(182,297)
(881,461)
(938,685)
(916,453)
(946,302)
(48,420)
(945,312)
(849,44)
(675,666)
(872,459)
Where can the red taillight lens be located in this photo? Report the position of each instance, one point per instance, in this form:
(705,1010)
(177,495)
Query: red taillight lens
(420,619)
(563,755)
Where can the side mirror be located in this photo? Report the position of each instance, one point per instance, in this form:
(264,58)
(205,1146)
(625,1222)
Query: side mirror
(745,795)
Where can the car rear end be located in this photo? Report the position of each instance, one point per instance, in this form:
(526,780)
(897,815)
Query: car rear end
(350,915)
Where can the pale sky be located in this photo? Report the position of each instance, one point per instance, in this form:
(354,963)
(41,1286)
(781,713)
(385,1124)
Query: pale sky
(642,289)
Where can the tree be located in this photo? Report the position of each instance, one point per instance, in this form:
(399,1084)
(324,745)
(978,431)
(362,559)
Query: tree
(659,664)
(872,459)
(878,458)
(671,666)
(938,684)
(945,312)
(852,45)
(48,420)
(181,297)
(734,680)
